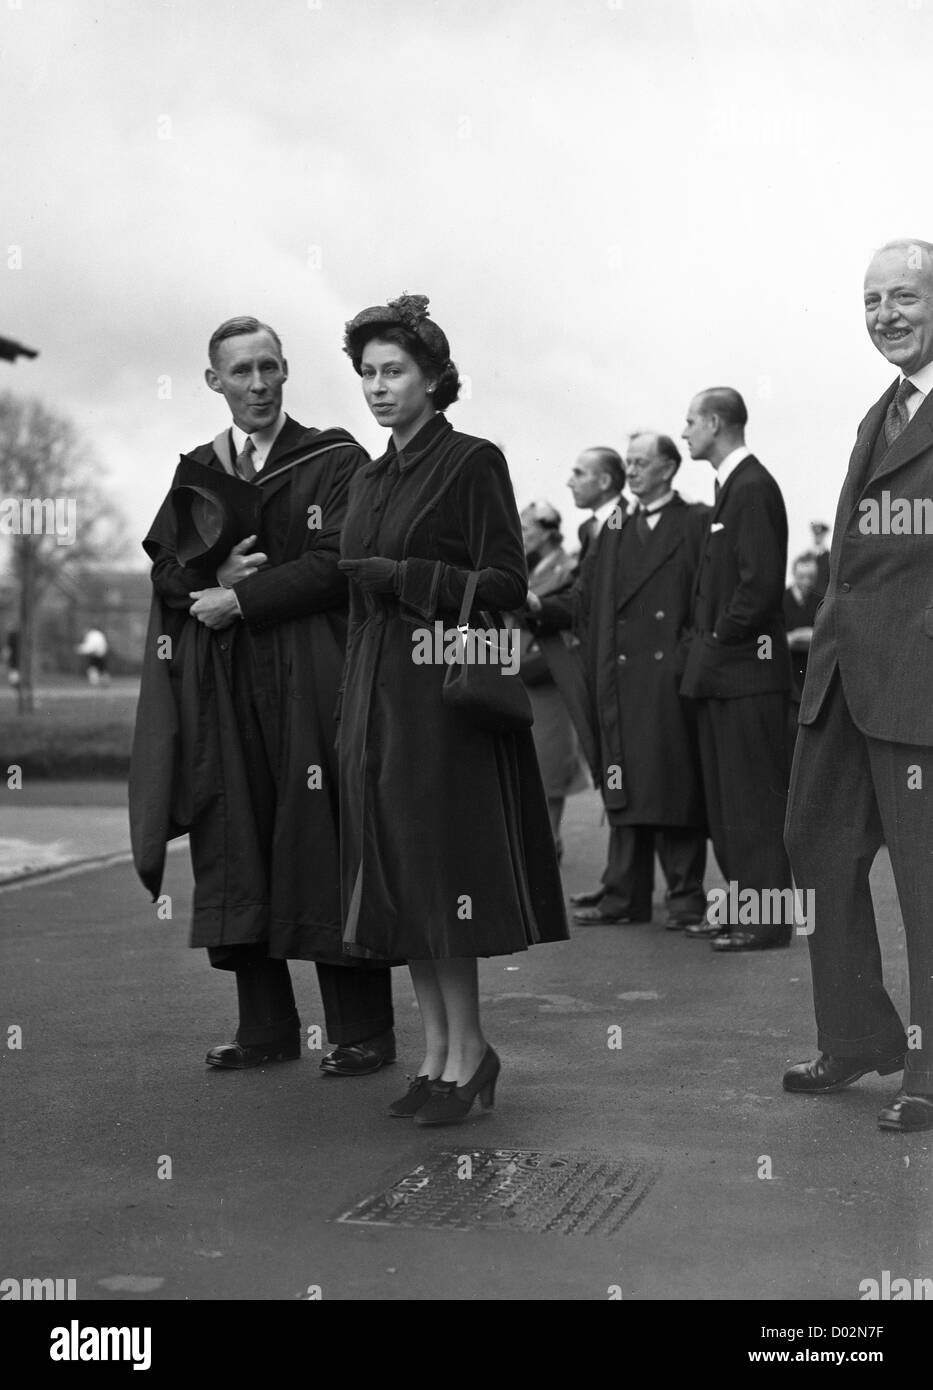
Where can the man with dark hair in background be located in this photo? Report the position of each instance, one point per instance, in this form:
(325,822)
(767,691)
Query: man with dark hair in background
(596,482)
(236,728)
(738,670)
(819,553)
(801,600)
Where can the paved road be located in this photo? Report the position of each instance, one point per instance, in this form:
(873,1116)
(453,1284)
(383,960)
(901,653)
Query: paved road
(116,1014)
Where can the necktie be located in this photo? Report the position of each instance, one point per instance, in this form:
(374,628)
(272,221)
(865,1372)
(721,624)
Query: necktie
(243,463)
(897,418)
(717,489)
(642,529)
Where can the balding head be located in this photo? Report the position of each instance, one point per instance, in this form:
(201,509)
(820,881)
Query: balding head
(899,303)
(650,464)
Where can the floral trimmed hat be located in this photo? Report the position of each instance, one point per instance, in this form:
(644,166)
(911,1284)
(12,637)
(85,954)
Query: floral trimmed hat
(409,311)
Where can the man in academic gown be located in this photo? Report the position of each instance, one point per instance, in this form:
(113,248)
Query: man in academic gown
(235,729)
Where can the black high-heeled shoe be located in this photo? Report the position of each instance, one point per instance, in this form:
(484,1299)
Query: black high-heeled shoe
(418,1094)
(449,1103)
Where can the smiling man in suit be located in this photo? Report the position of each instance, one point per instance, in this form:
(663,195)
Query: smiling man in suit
(863,767)
(738,672)
(236,724)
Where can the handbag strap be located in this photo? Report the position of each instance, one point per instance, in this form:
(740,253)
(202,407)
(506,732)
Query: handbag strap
(469,595)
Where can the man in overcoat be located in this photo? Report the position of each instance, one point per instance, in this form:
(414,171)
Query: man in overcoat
(863,767)
(235,729)
(738,673)
(631,607)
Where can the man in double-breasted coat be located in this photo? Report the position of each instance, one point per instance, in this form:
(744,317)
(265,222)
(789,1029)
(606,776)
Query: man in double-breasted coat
(235,734)
(631,606)
(863,766)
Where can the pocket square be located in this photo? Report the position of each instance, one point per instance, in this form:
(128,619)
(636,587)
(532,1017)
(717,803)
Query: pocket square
(717,526)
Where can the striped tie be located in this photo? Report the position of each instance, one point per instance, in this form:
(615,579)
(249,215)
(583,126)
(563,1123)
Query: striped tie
(897,418)
(244,464)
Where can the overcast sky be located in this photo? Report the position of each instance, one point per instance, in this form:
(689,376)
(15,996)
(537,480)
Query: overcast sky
(610,205)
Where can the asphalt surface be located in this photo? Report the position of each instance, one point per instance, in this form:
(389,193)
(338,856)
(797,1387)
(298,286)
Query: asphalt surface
(116,1015)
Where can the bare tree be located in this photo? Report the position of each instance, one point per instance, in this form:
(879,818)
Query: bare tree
(52,508)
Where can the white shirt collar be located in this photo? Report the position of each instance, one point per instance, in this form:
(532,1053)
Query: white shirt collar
(263,440)
(923,380)
(658,502)
(731,462)
(603,513)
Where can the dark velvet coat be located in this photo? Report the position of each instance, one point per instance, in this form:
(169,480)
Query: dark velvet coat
(445,839)
(230,729)
(631,607)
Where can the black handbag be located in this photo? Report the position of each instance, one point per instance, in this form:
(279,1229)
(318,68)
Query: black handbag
(481,690)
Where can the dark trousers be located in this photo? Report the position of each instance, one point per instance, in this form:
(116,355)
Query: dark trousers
(629,875)
(357,1002)
(743,757)
(849,795)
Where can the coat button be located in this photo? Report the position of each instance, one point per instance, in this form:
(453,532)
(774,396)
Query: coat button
(659,656)
(622,658)
(846,588)
(660,614)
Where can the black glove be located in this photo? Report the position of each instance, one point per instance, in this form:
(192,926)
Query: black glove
(376,575)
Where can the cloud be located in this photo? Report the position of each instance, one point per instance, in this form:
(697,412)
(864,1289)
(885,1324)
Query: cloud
(610,205)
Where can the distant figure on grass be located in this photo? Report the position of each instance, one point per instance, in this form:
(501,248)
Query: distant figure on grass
(11,656)
(95,649)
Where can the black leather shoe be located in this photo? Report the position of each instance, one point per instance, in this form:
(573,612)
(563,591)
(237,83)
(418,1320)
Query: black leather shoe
(906,1114)
(589,898)
(593,917)
(825,1073)
(359,1059)
(236,1057)
(747,941)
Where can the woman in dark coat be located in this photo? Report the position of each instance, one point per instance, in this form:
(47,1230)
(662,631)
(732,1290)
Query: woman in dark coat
(446,845)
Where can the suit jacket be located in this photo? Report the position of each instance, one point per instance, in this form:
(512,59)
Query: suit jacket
(876,622)
(739,592)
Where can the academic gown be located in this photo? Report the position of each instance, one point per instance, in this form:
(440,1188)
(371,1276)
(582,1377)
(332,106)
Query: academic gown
(235,732)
